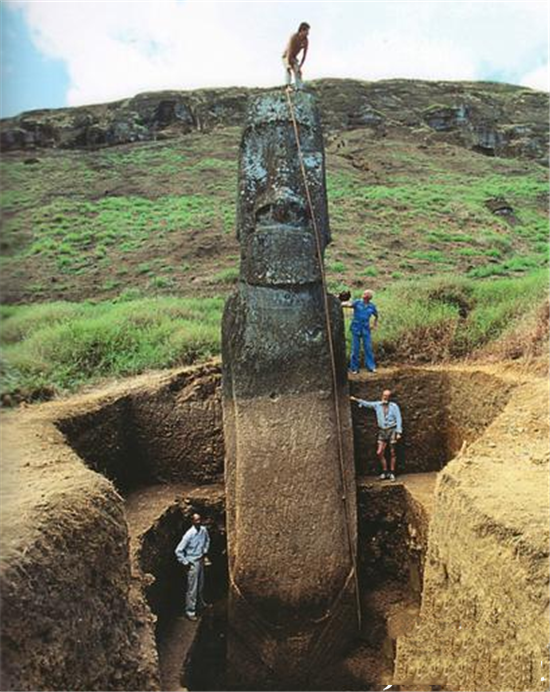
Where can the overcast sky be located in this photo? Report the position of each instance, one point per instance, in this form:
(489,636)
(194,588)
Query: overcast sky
(73,53)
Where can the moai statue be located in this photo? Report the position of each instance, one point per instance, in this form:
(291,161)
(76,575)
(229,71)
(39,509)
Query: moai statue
(290,483)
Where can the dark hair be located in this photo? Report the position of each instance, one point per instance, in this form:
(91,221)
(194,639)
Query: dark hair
(304,25)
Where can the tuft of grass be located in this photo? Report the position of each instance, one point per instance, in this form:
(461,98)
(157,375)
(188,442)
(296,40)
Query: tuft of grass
(521,263)
(445,317)
(369,271)
(62,346)
(230,275)
(162,282)
(336,267)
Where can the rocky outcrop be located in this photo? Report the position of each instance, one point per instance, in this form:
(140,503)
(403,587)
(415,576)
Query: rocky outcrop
(493,119)
(293,582)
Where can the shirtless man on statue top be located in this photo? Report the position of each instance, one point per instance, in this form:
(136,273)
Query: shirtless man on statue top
(298,42)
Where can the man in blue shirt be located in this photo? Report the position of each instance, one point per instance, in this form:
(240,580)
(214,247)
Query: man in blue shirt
(191,551)
(390,429)
(363,310)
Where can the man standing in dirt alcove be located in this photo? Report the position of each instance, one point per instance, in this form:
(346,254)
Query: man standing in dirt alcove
(191,552)
(390,429)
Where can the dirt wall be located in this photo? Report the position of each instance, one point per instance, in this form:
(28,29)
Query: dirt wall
(382,551)
(165,430)
(102,437)
(170,429)
(393,520)
(179,428)
(441,410)
(165,578)
(484,615)
(74,618)
(70,619)
(74,608)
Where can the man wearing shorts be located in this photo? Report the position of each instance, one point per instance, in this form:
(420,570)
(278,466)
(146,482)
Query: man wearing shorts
(390,429)
(298,42)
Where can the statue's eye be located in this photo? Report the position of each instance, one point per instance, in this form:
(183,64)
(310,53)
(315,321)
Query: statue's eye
(264,213)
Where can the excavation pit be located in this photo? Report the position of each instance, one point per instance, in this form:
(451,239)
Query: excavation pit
(159,442)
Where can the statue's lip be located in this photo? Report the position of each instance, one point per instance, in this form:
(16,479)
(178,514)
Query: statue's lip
(280,210)
(280,199)
(278,225)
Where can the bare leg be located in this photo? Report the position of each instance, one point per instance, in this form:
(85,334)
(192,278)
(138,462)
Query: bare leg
(288,75)
(298,77)
(381,456)
(392,458)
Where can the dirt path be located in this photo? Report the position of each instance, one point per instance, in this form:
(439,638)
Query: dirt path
(174,647)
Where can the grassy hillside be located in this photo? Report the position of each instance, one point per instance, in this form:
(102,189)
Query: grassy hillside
(49,348)
(159,216)
(138,243)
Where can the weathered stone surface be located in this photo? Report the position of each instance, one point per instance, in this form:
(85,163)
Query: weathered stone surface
(445,118)
(292,540)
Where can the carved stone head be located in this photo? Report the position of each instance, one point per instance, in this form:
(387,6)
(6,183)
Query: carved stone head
(274,224)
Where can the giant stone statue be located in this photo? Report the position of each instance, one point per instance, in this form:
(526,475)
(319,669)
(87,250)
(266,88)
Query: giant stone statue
(291,508)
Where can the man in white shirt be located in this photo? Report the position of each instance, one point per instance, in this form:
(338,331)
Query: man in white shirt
(191,551)
(390,429)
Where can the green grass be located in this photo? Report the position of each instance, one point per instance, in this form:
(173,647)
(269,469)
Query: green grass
(65,345)
(441,214)
(79,215)
(445,317)
(229,275)
(62,346)
(336,267)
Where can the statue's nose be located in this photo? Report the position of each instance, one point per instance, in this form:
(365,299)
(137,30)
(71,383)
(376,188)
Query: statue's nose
(281,207)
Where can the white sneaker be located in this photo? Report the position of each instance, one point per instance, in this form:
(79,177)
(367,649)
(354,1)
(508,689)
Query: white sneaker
(382,476)
(391,477)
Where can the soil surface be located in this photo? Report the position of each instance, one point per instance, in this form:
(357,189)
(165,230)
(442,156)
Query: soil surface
(487,561)
(51,501)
